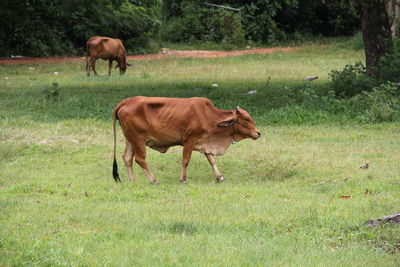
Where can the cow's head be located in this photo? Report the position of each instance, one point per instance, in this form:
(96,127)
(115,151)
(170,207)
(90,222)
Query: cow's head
(122,65)
(242,123)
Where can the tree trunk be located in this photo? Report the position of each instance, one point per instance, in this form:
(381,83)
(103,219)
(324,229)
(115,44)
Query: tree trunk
(393,10)
(376,33)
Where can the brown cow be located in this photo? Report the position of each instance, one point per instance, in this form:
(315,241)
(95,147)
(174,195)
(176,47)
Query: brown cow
(194,123)
(108,49)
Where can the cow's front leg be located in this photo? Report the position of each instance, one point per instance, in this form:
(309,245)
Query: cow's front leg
(87,67)
(187,153)
(213,163)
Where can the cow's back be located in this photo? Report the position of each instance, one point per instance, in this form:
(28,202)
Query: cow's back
(105,47)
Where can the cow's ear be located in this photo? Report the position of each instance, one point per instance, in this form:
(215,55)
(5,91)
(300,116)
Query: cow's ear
(117,66)
(129,65)
(228,122)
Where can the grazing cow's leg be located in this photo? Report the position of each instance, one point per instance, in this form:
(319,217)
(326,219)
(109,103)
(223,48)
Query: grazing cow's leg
(187,153)
(87,67)
(140,158)
(93,64)
(109,66)
(129,153)
(213,163)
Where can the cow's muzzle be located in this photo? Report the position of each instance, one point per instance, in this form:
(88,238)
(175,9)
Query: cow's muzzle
(256,135)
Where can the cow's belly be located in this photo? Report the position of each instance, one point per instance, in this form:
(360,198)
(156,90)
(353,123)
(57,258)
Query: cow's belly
(161,147)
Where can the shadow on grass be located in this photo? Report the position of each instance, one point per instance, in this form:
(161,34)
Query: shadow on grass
(89,101)
(180,227)
(193,228)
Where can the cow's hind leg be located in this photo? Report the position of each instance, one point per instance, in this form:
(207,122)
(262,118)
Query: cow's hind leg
(92,64)
(87,67)
(129,153)
(187,153)
(140,158)
(213,163)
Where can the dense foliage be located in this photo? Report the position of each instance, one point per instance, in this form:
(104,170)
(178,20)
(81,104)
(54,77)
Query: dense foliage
(263,21)
(55,27)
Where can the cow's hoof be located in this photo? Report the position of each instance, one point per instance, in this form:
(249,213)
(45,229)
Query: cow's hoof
(154,182)
(221,179)
(184,182)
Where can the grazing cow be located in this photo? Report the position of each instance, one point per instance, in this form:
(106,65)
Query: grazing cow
(194,123)
(108,49)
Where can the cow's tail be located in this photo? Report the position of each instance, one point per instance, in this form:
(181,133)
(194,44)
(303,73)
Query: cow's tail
(115,166)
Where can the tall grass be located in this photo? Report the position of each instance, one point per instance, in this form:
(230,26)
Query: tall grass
(280,204)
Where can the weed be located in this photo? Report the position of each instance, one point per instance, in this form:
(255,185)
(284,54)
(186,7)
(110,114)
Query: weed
(51,93)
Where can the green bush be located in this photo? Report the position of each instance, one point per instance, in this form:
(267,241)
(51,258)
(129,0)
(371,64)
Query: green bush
(313,98)
(259,23)
(231,29)
(382,104)
(351,81)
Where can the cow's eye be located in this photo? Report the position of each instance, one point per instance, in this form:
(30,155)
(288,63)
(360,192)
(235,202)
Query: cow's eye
(247,120)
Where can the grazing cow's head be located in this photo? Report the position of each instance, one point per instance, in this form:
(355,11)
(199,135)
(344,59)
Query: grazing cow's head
(243,125)
(122,65)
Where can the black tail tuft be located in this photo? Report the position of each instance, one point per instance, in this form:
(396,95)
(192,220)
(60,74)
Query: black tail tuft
(115,172)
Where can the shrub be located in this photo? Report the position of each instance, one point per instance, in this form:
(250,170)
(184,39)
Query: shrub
(231,29)
(351,81)
(259,23)
(382,104)
(310,98)
(173,30)
(51,93)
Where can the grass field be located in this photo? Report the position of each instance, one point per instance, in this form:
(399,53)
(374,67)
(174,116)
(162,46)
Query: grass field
(280,206)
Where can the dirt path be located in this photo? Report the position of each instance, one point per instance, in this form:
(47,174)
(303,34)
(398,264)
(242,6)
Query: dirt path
(165,53)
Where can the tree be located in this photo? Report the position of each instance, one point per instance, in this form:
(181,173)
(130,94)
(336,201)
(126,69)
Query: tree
(393,9)
(376,32)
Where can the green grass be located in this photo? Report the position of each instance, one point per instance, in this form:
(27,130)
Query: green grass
(280,204)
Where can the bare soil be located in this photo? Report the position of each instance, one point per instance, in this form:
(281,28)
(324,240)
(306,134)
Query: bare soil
(165,53)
